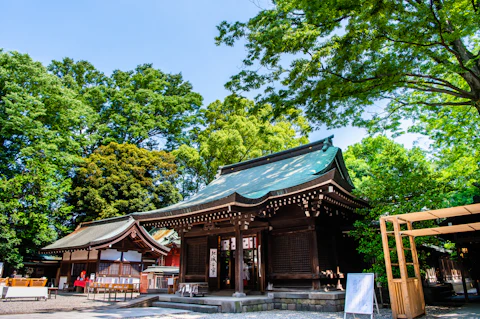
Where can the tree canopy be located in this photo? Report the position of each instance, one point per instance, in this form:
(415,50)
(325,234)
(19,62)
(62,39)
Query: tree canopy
(395,181)
(118,179)
(145,107)
(41,137)
(346,55)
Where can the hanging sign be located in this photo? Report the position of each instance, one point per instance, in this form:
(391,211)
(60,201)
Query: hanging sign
(225,245)
(360,295)
(213,263)
(246,243)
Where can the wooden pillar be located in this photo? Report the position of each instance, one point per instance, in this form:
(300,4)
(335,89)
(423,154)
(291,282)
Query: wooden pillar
(183,256)
(403,269)
(238,262)
(416,266)
(261,259)
(388,267)
(314,256)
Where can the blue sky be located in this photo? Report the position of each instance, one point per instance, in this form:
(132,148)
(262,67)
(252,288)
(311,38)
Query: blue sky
(176,36)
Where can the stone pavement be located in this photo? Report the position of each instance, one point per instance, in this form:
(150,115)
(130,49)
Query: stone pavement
(103,314)
(467,311)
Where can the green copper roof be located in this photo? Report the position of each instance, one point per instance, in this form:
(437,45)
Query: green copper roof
(92,233)
(256,178)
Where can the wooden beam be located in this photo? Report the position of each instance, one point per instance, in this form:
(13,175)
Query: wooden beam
(199,233)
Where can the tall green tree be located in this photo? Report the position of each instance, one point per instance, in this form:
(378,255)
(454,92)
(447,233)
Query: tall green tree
(118,179)
(232,131)
(346,55)
(145,107)
(395,181)
(41,138)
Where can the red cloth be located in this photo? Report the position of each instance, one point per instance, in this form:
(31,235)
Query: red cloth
(80,283)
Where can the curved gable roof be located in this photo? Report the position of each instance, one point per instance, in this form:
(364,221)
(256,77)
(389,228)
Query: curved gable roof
(253,180)
(104,232)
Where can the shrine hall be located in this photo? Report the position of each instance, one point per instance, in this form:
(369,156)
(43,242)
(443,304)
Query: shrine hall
(281,221)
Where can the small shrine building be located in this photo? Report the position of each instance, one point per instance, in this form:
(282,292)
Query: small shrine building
(113,250)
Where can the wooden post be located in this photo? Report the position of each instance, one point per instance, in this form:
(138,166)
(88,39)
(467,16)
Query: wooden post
(183,256)
(403,269)
(315,263)
(238,262)
(388,267)
(416,266)
(261,257)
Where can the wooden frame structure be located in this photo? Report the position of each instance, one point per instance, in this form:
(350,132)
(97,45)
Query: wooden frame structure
(406,293)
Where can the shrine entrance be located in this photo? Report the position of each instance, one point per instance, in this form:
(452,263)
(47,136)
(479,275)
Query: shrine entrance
(250,272)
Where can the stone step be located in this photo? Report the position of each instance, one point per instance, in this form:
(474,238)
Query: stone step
(186,306)
(177,299)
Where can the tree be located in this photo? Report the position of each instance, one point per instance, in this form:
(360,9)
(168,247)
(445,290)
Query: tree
(41,138)
(118,179)
(137,107)
(235,130)
(347,55)
(395,181)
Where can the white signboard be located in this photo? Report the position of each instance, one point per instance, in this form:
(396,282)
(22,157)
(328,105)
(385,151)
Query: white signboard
(213,263)
(360,294)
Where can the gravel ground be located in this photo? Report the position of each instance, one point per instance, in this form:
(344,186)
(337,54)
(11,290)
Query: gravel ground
(76,301)
(432,312)
(64,302)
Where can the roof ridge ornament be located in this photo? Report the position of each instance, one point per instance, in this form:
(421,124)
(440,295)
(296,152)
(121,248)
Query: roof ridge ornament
(327,142)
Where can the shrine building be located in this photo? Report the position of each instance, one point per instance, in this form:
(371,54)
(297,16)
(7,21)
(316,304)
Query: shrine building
(289,213)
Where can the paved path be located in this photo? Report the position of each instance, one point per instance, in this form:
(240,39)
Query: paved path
(467,311)
(103,314)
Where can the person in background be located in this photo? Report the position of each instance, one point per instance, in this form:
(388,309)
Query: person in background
(14,274)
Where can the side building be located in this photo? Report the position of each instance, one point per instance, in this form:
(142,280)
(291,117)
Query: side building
(113,250)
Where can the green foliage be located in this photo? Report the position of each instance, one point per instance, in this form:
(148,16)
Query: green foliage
(41,124)
(137,107)
(235,130)
(396,181)
(346,55)
(119,179)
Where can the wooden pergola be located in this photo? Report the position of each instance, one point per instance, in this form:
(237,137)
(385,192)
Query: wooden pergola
(406,293)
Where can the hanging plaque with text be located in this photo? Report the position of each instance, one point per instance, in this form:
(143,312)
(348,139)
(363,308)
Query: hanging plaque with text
(213,263)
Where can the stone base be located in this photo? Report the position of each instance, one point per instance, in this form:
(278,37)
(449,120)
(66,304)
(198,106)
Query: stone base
(332,301)
(310,301)
(300,301)
(239,294)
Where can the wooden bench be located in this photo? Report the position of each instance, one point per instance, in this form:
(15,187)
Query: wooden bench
(193,288)
(96,287)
